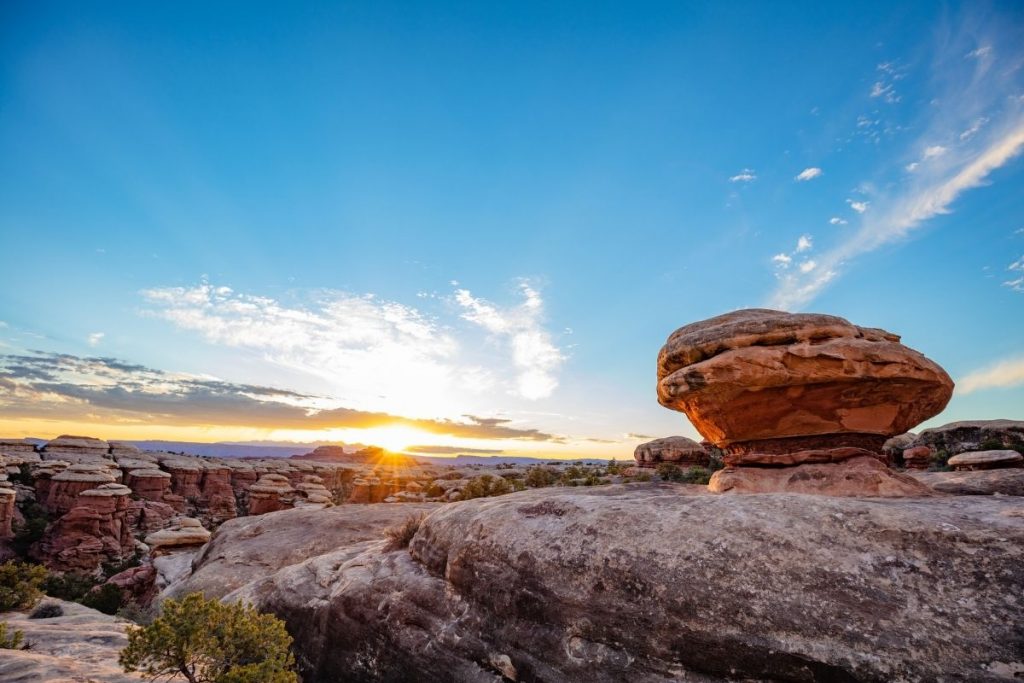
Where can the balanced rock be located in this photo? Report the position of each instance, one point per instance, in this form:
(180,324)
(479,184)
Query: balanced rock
(783,389)
(986,460)
(678,450)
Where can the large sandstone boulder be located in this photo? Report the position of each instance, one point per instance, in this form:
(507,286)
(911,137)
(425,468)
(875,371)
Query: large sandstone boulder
(986,460)
(772,382)
(654,583)
(249,548)
(678,450)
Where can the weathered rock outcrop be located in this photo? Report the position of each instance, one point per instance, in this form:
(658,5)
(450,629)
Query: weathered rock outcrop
(250,548)
(271,493)
(976,435)
(862,476)
(782,389)
(684,587)
(678,450)
(81,646)
(76,449)
(66,486)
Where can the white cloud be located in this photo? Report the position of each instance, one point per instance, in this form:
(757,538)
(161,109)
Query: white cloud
(975,126)
(375,353)
(980,53)
(836,220)
(808,266)
(912,166)
(95,338)
(745,176)
(859,207)
(808,174)
(782,260)
(1017,283)
(1002,374)
(804,243)
(536,357)
(934,151)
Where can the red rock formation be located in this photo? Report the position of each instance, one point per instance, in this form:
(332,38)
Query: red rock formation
(372,490)
(149,484)
(76,449)
(95,531)
(217,498)
(773,382)
(65,487)
(137,584)
(675,449)
(185,478)
(917,458)
(857,476)
(780,389)
(183,532)
(986,460)
(271,493)
(8,497)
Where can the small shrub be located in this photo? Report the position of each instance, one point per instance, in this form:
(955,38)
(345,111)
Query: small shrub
(434,491)
(20,585)
(210,641)
(32,529)
(23,475)
(940,461)
(991,445)
(113,568)
(47,610)
(69,586)
(642,477)
(107,598)
(12,641)
(133,611)
(539,477)
(400,536)
(669,471)
(485,486)
(696,475)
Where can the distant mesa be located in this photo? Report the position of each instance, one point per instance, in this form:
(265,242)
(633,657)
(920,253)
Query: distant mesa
(810,392)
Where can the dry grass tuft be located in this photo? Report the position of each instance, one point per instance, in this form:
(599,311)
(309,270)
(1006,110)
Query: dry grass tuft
(400,536)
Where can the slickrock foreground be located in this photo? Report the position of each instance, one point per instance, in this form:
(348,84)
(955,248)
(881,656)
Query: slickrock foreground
(81,646)
(649,583)
(778,389)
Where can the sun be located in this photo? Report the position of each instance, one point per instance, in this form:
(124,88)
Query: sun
(396,439)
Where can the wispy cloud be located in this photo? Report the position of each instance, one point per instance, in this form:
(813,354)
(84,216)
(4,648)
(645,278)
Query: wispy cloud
(955,164)
(836,220)
(782,260)
(747,175)
(804,243)
(1002,374)
(536,357)
(1016,283)
(95,338)
(808,174)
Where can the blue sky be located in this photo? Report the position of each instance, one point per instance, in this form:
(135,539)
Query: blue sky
(368,222)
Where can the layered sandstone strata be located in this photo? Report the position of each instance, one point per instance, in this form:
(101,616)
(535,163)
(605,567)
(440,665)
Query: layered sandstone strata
(678,450)
(94,531)
(778,389)
(66,486)
(271,493)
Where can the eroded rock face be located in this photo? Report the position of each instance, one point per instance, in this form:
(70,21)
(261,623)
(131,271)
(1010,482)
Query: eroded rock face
(1005,482)
(679,450)
(685,587)
(183,532)
(8,499)
(772,382)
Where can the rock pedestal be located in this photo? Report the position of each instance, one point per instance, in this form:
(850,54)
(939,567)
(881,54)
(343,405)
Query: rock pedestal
(776,389)
(94,531)
(271,493)
(7,508)
(66,486)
